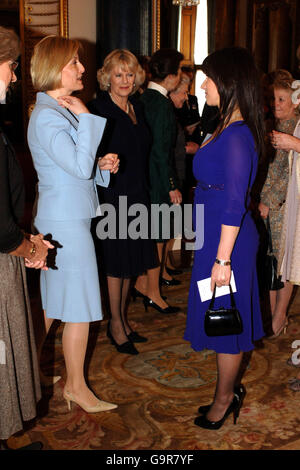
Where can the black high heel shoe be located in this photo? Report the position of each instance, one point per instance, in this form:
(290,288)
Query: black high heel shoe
(134,337)
(169,282)
(234,408)
(239,391)
(149,303)
(136,293)
(125,348)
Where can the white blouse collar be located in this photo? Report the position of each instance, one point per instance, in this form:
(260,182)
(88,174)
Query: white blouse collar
(157,87)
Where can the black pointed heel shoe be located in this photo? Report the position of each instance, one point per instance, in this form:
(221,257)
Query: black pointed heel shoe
(233,408)
(149,303)
(169,282)
(239,391)
(124,348)
(136,293)
(134,337)
(173,272)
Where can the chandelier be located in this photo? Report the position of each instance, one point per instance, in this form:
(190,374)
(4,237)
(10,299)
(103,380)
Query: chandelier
(186,3)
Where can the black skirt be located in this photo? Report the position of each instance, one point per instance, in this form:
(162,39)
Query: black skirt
(123,242)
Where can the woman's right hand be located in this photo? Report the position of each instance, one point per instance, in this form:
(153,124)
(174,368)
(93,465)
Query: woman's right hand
(264,210)
(38,261)
(74,104)
(175,196)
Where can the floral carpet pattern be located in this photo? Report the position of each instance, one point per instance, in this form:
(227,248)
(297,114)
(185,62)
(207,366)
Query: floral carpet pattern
(159,391)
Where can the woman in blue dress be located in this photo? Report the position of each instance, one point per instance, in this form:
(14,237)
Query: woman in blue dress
(63,138)
(225,167)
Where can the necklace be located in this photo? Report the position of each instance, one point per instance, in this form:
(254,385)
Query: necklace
(127,105)
(236,116)
(129,110)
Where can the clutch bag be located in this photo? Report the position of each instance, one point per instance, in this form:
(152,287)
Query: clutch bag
(223,321)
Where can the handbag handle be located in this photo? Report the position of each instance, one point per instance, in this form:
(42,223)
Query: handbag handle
(269,236)
(212,302)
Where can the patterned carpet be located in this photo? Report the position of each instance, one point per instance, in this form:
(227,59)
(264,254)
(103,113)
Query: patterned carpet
(159,390)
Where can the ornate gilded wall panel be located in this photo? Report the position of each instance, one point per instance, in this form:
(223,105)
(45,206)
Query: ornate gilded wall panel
(155,25)
(38,19)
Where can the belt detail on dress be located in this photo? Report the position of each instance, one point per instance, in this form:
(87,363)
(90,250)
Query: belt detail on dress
(206,187)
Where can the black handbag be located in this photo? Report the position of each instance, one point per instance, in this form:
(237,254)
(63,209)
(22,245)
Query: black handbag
(223,321)
(272,280)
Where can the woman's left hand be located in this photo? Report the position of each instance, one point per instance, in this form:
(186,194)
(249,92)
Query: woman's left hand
(109,162)
(38,264)
(282,141)
(220,275)
(72,103)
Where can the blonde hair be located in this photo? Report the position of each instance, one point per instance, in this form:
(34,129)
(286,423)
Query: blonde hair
(124,59)
(50,56)
(283,80)
(184,80)
(9,45)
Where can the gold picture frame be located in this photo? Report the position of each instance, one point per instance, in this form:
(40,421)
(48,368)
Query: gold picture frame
(64,18)
(155,25)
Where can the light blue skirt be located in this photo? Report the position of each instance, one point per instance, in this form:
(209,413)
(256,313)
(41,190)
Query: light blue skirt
(70,288)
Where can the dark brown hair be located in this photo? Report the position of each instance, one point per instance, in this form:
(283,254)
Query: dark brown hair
(236,77)
(164,62)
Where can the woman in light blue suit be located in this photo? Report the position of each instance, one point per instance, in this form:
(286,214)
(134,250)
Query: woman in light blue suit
(63,138)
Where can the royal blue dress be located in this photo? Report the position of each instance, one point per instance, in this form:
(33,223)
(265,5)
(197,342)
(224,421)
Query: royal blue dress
(225,170)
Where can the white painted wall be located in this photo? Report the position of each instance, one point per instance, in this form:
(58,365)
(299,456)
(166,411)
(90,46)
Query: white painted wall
(82,19)
(82,26)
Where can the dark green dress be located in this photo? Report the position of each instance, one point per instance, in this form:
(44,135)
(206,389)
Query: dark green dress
(161,120)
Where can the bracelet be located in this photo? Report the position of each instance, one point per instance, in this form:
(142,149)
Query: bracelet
(223,262)
(32,249)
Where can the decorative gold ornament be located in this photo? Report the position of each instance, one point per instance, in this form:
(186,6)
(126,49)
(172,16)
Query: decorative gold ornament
(186,3)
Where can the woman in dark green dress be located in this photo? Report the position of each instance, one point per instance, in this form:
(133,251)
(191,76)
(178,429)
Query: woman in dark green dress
(159,113)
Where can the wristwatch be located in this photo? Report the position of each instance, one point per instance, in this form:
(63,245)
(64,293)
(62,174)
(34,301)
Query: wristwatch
(223,262)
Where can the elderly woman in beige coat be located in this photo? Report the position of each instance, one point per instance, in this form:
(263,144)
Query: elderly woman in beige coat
(289,254)
(273,194)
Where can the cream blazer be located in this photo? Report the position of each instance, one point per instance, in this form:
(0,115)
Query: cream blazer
(294,274)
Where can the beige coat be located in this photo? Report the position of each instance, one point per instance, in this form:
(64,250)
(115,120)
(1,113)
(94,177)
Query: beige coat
(294,272)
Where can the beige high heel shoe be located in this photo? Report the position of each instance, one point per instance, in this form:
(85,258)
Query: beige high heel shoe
(49,381)
(101,405)
(281,329)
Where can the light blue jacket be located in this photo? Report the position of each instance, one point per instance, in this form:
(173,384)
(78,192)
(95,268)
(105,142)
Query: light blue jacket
(63,148)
